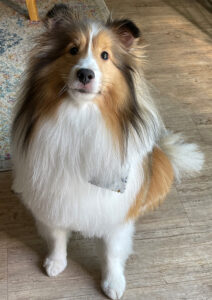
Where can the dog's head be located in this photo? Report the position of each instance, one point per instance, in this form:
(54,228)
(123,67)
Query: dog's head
(83,61)
(87,58)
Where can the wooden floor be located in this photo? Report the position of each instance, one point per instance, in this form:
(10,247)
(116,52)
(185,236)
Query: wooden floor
(173,246)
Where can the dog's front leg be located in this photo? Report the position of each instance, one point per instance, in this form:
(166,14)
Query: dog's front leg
(115,249)
(56,238)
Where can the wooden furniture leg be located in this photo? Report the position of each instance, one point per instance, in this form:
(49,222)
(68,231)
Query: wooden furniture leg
(32,9)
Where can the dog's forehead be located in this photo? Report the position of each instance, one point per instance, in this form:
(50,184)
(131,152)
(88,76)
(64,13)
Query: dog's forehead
(94,30)
(98,36)
(92,39)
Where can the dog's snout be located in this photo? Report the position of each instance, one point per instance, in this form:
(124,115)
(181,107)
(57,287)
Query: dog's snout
(85,75)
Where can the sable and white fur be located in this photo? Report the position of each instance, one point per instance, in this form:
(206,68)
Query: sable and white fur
(68,162)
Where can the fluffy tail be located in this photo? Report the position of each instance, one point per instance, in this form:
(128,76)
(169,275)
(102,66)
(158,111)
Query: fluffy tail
(186,159)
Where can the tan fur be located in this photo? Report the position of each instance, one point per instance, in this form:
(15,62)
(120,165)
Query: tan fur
(135,209)
(51,86)
(114,94)
(156,185)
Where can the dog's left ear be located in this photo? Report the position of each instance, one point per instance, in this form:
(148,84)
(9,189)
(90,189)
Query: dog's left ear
(57,16)
(128,33)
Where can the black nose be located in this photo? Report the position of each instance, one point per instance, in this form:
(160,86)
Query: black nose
(85,75)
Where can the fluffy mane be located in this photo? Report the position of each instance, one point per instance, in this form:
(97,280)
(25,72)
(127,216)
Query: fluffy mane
(126,107)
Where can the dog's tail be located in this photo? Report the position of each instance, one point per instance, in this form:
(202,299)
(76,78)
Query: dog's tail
(186,159)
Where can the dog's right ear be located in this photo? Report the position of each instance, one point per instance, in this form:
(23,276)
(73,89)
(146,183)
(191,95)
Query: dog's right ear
(126,30)
(57,15)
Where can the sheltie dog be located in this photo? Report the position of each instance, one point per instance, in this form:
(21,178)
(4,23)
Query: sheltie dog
(90,151)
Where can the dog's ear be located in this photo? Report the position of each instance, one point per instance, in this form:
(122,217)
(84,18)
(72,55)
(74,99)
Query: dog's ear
(128,33)
(57,15)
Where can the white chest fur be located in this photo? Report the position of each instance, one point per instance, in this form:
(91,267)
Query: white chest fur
(69,151)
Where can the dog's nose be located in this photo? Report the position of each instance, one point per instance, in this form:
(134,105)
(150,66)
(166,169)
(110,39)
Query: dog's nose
(85,75)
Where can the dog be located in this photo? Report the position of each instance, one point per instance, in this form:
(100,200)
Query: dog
(90,151)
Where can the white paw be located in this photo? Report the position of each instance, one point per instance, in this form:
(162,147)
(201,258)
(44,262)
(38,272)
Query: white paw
(114,286)
(54,266)
(15,189)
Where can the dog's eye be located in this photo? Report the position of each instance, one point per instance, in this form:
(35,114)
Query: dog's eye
(104,55)
(74,50)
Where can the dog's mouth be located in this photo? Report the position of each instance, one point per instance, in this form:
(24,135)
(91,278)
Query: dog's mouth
(84,91)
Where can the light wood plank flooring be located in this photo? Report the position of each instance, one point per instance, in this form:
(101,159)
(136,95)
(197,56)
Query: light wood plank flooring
(173,245)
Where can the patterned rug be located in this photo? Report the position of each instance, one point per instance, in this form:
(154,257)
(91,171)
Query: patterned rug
(16,39)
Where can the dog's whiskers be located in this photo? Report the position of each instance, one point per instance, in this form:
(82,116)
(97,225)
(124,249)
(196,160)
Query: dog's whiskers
(63,90)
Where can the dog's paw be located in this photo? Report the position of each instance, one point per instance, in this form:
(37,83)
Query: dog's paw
(54,266)
(15,189)
(114,286)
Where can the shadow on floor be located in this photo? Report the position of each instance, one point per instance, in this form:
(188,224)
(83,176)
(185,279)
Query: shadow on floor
(207,4)
(189,14)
